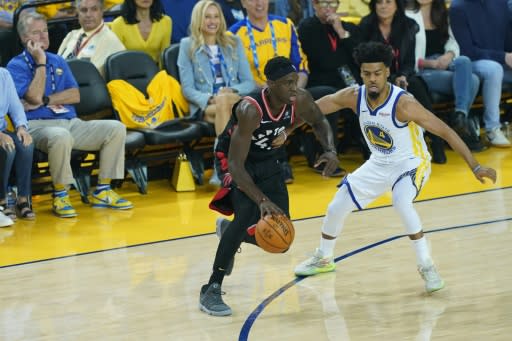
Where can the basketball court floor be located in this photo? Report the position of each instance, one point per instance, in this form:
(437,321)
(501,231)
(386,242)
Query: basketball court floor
(135,275)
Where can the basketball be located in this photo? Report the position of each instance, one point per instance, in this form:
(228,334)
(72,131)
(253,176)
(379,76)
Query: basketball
(274,233)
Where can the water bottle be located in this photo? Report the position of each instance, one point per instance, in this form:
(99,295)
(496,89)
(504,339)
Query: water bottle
(11,197)
(347,76)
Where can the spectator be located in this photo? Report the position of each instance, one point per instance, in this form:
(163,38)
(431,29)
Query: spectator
(490,49)
(94,41)
(232,10)
(441,66)
(7,8)
(388,24)
(328,44)
(48,91)
(214,72)
(296,10)
(178,11)
(143,26)
(265,36)
(15,148)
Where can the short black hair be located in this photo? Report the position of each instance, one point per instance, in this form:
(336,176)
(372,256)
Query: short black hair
(278,67)
(373,52)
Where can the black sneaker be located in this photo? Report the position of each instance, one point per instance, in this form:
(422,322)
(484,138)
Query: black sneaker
(210,301)
(339,172)
(220,227)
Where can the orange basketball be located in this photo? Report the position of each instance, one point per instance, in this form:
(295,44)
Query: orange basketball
(274,233)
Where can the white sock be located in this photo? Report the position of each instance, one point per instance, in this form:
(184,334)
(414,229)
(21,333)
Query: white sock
(422,251)
(327,246)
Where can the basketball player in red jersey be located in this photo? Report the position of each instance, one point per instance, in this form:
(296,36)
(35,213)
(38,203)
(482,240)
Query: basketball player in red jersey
(254,185)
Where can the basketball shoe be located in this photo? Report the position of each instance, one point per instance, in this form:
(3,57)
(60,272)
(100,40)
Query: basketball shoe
(433,281)
(210,300)
(108,198)
(61,206)
(220,227)
(315,265)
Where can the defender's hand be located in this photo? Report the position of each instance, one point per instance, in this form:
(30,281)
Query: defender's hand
(331,163)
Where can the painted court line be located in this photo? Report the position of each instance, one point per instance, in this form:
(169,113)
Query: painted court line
(246,328)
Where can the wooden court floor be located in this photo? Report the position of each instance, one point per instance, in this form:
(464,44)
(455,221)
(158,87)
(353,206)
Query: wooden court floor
(109,275)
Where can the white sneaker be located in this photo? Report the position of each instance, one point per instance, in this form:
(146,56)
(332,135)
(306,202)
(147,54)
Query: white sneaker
(497,139)
(433,281)
(315,265)
(5,220)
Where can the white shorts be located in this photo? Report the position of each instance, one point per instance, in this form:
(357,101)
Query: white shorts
(373,179)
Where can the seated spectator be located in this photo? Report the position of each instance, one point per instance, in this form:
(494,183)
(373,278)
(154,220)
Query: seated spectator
(16,148)
(7,8)
(296,10)
(489,46)
(143,26)
(57,11)
(388,24)
(328,44)
(179,11)
(441,66)
(94,41)
(265,36)
(48,91)
(214,72)
(232,10)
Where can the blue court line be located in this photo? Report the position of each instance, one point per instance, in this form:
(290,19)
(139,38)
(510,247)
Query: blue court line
(246,328)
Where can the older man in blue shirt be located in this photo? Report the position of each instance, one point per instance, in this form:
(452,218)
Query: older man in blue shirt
(48,91)
(16,148)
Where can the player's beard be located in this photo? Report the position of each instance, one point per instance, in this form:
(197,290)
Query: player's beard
(373,94)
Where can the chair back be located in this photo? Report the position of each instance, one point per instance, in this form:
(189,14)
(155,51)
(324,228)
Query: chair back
(94,96)
(134,67)
(170,60)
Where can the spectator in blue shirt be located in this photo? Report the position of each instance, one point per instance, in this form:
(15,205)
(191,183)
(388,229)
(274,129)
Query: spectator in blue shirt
(179,11)
(489,46)
(48,91)
(16,148)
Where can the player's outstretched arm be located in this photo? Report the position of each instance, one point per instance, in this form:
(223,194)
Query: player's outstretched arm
(409,109)
(248,121)
(308,111)
(344,98)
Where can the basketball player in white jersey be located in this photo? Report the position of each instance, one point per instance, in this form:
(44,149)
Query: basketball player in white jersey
(392,122)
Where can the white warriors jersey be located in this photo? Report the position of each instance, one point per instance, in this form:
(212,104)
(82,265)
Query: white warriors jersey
(389,139)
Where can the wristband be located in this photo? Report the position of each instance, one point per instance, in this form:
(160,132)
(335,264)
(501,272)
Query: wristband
(40,65)
(285,134)
(476,169)
(331,151)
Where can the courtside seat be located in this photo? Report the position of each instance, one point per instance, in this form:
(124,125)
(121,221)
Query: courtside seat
(138,69)
(170,64)
(95,103)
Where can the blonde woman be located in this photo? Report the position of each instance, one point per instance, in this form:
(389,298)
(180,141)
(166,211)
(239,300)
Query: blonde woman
(214,71)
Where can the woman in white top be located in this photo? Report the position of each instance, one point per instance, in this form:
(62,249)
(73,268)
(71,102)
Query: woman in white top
(439,63)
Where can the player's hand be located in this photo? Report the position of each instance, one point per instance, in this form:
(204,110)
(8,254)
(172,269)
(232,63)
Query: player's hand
(331,163)
(267,207)
(279,140)
(485,172)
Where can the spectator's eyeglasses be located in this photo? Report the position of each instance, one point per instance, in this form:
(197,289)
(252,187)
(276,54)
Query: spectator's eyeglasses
(325,4)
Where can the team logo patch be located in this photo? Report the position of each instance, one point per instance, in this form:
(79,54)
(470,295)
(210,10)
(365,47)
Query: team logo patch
(379,138)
